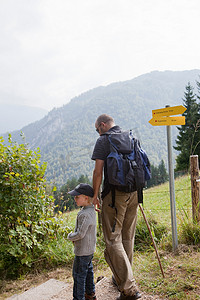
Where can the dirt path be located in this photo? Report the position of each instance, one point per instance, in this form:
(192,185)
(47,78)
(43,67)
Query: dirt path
(105,290)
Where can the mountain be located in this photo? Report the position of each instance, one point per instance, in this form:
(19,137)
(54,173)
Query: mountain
(14,117)
(66,136)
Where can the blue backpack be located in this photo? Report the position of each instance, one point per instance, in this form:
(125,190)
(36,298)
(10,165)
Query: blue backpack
(128,166)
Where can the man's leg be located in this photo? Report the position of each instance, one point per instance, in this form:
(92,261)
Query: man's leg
(115,252)
(129,226)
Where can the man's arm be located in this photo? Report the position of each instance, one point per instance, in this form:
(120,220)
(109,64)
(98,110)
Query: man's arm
(97,179)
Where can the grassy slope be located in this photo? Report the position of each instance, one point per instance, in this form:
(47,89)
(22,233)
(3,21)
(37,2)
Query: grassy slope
(181,269)
(157,201)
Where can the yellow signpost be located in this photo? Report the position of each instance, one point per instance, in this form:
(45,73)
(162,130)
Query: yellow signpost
(167,121)
(162,117)
(168,111)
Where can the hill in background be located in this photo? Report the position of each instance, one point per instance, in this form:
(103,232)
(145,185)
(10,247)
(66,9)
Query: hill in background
(66,136)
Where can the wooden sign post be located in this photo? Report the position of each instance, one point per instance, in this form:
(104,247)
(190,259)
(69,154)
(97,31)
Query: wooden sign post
(195,186)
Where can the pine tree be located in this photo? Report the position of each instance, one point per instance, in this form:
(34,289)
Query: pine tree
(188,138)
(198,88)
(163,176)
(158,175)
(196,146)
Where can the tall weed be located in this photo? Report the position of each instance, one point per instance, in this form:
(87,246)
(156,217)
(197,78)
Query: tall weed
(190,233)
(143,239)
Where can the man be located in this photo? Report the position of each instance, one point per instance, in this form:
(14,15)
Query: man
(120,241)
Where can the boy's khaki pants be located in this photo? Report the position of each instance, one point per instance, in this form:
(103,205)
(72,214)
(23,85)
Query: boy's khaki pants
(120,243)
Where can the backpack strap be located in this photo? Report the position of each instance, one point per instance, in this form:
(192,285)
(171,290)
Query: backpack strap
(140,195)
(112,205)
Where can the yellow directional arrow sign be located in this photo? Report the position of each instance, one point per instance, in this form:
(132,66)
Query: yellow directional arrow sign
(168,111)
(167,121)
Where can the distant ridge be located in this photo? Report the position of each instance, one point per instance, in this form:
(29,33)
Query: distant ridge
(14,117)
(66,136)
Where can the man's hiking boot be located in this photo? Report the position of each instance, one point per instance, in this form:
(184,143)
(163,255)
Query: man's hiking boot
(124,297)
(90,296)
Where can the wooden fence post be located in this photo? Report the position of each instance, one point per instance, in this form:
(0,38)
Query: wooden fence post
(195,187)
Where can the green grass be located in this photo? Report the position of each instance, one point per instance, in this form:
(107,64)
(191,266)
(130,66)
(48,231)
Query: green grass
(157,201)
(182,268)
(182,274)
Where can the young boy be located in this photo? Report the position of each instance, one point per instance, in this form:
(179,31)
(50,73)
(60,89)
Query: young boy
(84,239)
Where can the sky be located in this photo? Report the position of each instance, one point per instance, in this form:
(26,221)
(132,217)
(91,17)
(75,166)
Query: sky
(54,50)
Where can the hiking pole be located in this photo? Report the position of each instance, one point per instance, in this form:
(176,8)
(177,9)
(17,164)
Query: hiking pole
(154,244)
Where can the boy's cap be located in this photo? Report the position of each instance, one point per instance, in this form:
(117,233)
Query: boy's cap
(82,189)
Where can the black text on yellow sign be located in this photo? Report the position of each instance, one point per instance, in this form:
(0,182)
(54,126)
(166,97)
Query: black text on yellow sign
(168,111)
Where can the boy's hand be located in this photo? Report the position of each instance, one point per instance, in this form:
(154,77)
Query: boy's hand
(96,203)
(69,236)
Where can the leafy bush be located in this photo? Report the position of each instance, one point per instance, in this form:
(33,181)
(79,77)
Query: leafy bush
(25,209)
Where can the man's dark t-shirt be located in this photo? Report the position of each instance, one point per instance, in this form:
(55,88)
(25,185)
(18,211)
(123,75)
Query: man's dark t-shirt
(101,151)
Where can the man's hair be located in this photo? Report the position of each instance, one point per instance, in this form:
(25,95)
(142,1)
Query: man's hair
(105,119)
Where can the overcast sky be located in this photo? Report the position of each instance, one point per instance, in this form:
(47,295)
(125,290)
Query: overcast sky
(53,50)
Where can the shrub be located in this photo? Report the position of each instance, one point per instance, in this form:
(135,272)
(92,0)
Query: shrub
(25,208)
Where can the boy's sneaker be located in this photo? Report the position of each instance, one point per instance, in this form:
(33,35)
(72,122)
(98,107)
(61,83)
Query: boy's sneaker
(124,297)
(90,296)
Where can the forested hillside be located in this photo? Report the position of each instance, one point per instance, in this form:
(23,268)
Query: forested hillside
(66,136)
